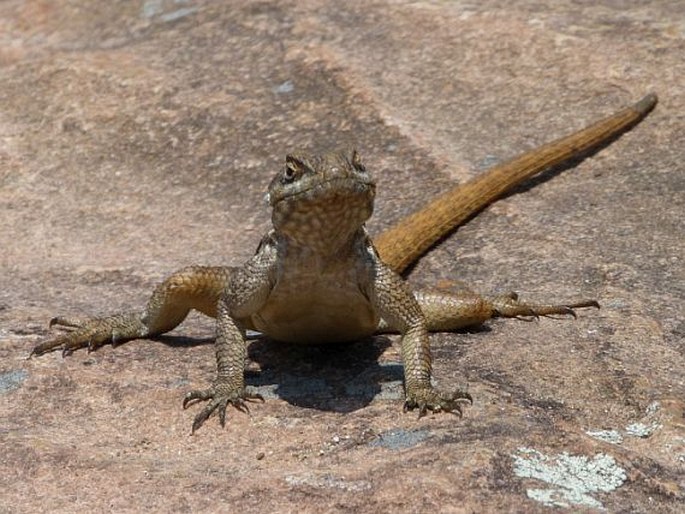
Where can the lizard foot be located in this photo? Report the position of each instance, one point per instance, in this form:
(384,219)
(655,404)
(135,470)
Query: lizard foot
(219,396)
(91,333)
(509,306)
(430,399)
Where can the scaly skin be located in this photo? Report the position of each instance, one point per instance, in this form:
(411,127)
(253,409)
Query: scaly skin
(318,278)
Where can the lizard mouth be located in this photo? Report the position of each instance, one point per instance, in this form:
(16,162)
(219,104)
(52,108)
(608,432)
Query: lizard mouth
(338,190)
(325,210)
(332,187)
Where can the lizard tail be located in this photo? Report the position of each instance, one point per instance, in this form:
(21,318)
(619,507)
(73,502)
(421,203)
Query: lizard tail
(403,243)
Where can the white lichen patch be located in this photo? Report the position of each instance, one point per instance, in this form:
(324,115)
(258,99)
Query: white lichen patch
(642,430)
(574,477)
(608,436)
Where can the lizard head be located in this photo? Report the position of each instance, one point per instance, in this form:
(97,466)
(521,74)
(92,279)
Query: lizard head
(321,200)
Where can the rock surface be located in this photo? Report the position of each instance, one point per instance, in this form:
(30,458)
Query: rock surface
(138,137)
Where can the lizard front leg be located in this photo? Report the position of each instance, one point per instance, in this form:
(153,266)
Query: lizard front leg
(244,295)
(229,385)
(402,312)
(194,287)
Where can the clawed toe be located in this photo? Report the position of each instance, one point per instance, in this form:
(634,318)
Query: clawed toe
(197,396)
(508,306)
(568,311)
(218,401)
(91,333)
(436,401)
(66,343)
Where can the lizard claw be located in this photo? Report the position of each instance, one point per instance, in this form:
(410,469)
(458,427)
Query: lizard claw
(429,399)
(219,397)
(91,333)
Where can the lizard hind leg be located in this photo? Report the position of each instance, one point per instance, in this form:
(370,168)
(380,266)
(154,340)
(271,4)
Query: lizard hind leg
(452,311)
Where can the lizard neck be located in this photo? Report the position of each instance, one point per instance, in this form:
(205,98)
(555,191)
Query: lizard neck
(320,253)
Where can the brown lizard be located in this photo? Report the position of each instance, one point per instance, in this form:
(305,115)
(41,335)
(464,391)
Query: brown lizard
(317,277)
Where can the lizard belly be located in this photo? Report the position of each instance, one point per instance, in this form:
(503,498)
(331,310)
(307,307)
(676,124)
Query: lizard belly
(311,314)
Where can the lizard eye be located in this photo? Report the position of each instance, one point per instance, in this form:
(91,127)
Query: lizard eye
(294,167)
(289,173)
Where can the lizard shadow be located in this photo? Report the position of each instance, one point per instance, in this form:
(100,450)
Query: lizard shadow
(329,377)
(333,377)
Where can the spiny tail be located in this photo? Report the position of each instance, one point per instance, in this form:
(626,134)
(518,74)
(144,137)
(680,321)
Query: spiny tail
(402,244)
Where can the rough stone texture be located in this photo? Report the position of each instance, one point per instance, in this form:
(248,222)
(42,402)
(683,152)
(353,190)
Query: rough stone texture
(137,137)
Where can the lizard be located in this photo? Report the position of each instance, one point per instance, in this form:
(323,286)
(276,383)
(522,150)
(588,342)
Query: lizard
(318,277)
